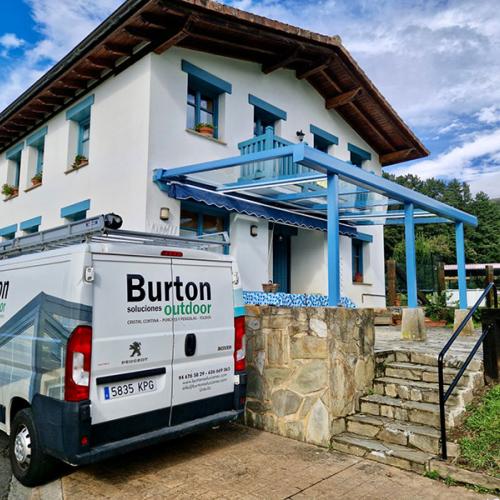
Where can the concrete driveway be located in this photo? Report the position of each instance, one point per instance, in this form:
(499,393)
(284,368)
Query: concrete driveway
(238,462)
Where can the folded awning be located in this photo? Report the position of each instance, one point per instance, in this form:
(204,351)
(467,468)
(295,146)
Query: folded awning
(243,206)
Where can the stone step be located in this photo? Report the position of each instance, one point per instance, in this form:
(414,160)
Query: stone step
(386,453)
(408,411)
(388,430)
(430,358)
(416,390)
(426,373)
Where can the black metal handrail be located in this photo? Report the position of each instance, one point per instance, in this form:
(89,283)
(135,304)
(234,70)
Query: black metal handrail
(443,396)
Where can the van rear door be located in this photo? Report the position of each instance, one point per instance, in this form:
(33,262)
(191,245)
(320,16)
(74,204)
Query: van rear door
(203,319)
(131,370)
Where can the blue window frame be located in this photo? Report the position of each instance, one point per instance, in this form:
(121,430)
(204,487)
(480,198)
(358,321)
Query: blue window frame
(83,137)
(14,155)
(37,141)
(204,90)
(30,226)
(358,155)
(323,139)
(264,115)
(357,260)
(200,220)
(8,232)
(76,211)
(80,113)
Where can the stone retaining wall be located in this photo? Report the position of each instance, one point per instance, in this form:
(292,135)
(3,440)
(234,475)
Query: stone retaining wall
(307,369)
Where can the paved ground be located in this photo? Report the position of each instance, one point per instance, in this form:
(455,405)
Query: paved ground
(388,338)
(238,462)
(4,467)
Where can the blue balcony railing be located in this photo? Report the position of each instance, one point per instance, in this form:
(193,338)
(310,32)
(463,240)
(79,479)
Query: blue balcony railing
(269,168)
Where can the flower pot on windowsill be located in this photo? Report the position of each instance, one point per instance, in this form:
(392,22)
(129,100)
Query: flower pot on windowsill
(358,278)
(9,191)
(79,162)
(205,129)
(270,287)
(36,180)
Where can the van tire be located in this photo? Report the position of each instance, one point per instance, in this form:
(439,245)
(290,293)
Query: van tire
(29,464)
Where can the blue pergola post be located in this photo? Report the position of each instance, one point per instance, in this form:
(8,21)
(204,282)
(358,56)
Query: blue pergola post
(462,280)
(333,240)
(411,262)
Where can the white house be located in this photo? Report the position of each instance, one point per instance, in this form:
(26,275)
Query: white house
(128,99)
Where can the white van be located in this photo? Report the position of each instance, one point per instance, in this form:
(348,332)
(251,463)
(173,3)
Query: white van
(112,340)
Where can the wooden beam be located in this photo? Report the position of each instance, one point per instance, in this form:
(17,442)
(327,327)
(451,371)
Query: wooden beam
(120,50)
(147,34)
(33,113)
(396,156)
(64,92)
(240,46)
(51,99)
(101,62)
(40,107)
(280,63)
(72,83)
(88,73)
(177,36)
(302,75)
(14,128)
(341,99)
(156,20)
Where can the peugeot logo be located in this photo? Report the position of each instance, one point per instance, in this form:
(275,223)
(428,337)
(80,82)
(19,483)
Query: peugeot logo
(135,347)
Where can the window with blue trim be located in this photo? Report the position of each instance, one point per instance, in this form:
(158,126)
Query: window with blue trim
(356,160)
(8,232)
(198,220)
(264,115)
(323,140)
(16,169)
(203,95)
(357,261)
(77,211)
(31,226)
(202,108)
(80,114)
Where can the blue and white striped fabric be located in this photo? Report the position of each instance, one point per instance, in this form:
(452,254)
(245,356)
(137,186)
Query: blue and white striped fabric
(292,300)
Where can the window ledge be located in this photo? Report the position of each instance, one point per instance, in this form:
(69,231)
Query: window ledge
(213,139)
(357,283)
(27,190)
(11,197)
(75,169)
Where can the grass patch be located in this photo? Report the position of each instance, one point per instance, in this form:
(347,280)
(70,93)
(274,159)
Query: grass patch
(432,474)
(480,441)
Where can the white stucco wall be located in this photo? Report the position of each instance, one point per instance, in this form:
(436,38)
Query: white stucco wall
(138,124)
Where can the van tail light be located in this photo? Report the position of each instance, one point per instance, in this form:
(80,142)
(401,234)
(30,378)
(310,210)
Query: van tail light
(78,355)
(239,344)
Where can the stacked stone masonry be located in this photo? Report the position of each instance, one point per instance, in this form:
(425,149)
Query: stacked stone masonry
(307,369)
(313,376)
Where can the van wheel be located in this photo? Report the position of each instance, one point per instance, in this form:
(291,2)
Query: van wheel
(29,464)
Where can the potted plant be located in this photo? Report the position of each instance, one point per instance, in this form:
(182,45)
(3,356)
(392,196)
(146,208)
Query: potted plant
(205,129)
(358,278)
(36,180)
(270,287)
(9,191)
(80,161)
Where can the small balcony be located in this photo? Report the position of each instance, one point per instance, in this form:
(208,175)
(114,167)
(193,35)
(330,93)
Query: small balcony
(280,167)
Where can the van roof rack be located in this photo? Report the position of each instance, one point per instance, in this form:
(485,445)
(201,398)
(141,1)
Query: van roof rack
(101,228)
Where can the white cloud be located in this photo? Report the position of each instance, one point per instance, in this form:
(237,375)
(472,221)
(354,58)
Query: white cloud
(62,25)
(11,41)
(475,161)
(489,114)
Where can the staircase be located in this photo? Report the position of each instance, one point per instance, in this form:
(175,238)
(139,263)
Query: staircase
(398,423)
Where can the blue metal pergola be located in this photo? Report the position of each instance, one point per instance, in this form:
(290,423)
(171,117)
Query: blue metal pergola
(306,181)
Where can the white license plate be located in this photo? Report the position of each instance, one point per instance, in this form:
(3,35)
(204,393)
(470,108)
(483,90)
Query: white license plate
(126,389)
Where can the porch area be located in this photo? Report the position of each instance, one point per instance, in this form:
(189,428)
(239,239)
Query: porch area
(295,184)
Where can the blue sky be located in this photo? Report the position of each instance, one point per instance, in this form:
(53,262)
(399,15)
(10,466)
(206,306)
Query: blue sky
(436,61)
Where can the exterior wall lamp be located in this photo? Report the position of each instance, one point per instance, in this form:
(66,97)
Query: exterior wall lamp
(164,213)
(300,135)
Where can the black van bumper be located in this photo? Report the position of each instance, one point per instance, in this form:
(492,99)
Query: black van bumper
(66,430)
